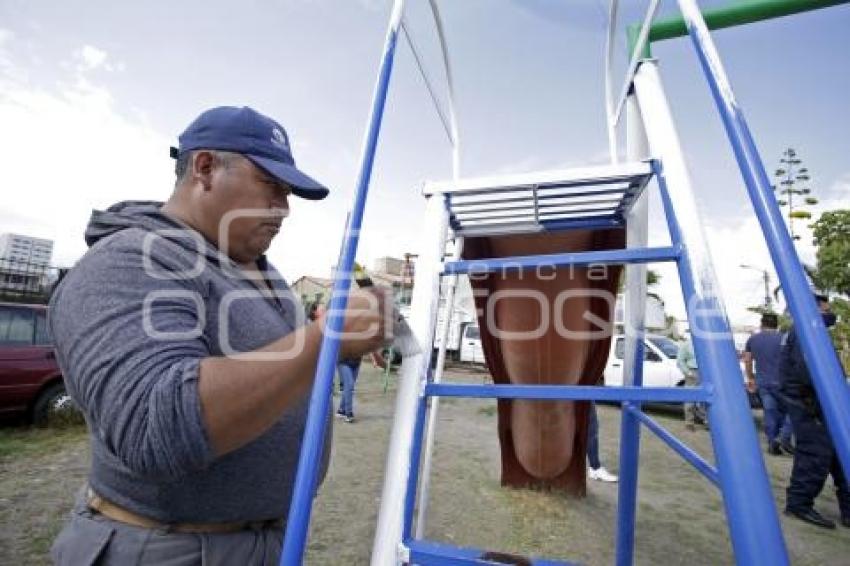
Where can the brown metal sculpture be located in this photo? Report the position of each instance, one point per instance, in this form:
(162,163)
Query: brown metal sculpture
(544,443)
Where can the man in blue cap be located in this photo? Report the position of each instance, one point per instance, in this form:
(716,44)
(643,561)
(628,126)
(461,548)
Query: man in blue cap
(192,360)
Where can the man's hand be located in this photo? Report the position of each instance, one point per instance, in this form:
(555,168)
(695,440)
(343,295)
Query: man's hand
(751,385)
(242,396)
(368,322)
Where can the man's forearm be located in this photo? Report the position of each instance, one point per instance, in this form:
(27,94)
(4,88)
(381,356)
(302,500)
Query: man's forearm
(244,395)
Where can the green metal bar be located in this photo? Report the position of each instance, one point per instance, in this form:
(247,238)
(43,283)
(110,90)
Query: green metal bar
(735,14)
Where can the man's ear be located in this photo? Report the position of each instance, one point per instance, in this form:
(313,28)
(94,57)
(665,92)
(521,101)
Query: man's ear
(203,163)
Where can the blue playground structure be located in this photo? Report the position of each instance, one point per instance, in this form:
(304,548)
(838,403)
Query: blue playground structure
(613,195)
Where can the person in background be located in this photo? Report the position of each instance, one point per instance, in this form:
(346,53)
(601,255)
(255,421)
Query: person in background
(764,348)
(314,311)
(687,363)
(348,371)
(814,456)
(595,471)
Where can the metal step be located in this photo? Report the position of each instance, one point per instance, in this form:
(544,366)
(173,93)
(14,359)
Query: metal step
(570,392)
(428,553)
(602,257)
(541,201)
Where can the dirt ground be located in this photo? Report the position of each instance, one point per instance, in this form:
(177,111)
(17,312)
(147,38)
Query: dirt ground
(680,516)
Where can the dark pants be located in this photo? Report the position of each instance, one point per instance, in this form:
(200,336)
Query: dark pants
(777,423)
(694,412)
(814,460)
(593,438)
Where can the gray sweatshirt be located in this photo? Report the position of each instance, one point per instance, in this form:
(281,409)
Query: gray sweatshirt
(132,322)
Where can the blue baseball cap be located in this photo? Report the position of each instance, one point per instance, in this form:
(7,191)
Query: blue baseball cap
(259,138)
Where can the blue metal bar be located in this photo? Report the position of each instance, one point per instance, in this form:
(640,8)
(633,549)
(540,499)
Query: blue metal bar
(585,224)
(677,445)
(629,465)
(413,476)
(312,443)
(750,510)
(571,392)
(821,359)
(645,255)
(429,553)
(602,223)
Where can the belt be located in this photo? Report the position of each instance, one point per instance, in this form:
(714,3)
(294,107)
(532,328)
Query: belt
(122,515)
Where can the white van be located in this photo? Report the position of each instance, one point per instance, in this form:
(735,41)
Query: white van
(659,366)
(470,345)
(460,319)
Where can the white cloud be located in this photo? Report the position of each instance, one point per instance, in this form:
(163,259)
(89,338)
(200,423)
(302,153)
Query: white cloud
(739,241)
(374,5)
(69,150)
(6,37)
(89,58)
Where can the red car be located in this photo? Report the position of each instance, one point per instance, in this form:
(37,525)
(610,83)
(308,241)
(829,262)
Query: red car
(30,380)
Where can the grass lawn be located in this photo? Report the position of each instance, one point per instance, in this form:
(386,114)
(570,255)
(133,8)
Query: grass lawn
(680,515)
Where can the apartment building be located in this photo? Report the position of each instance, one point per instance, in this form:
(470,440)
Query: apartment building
(23,262)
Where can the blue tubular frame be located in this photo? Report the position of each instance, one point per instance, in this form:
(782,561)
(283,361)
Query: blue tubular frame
(413,477)
(602,223)
(429,553)
(741,474)
(571,392)
(629,464)
(750,510)
(301,506)
(677,445)
(821,359)
(644,255)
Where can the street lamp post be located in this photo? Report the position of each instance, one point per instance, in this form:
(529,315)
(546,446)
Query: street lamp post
(766,277)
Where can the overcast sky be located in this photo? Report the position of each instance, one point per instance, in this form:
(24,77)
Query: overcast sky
(92,93)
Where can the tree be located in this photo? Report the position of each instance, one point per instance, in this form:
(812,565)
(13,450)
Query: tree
(790,175)
(833,226)
(832,237)
(652,279)
(841,331)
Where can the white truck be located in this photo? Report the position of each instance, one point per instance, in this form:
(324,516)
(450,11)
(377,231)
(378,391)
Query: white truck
(659,362)
(460,320)
(470,345)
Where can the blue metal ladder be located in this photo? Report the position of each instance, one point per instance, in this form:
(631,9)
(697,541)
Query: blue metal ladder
(474,207)
(588,198)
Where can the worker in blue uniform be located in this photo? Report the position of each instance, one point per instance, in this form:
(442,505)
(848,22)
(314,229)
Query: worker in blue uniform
(815,457)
